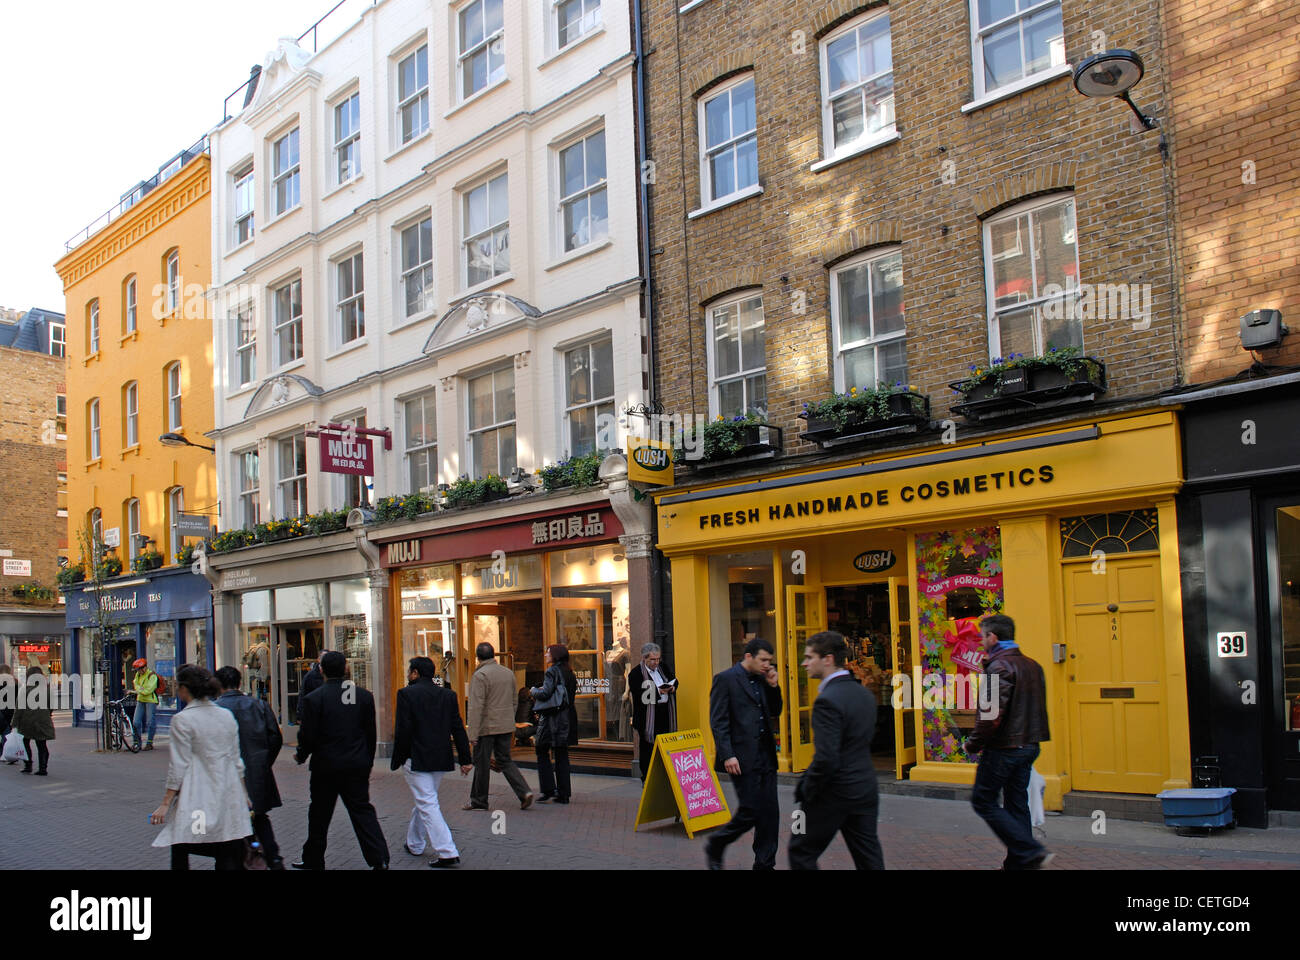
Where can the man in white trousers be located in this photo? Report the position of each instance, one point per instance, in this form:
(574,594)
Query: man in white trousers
(428,720)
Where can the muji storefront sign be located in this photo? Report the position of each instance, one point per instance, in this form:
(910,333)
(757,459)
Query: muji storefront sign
(338,454)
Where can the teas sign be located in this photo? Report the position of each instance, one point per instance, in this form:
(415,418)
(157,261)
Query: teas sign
(873,561)
(681,782)
(338,454)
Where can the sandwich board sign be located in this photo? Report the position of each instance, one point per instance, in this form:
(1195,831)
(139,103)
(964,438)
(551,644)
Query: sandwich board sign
(682,783)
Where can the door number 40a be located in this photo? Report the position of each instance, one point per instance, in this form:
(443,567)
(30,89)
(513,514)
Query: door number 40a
(1232,644)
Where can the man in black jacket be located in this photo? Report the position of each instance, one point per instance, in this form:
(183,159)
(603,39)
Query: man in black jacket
(338,732)
(259,744)
(313,680)
(428,719)
(744,707)
(838,792)
(1007,736)
(653,689)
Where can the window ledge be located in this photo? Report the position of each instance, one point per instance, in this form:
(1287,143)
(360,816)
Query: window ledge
(134,449)
(1020,86)
(85,361)
(420,317)
(239,246)
(409,144)
(133,335)
(283,216)
(290,366)
(241,390)
(579,253)
(475,97)
(483,287)
(745,194)
(348,347)
(576,43)
(94,464)
(857,151)
(691,5)
(340,187)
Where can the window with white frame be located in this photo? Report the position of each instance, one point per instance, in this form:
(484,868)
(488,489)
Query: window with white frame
(857,84)
(584,203)
(1031,261)
(132,525)
(284,172)
(61,416)
(575,19)
(413,94)
(244,204)
(92,327)
(728,141)
(357,490)
(173,272)
(419,417)
(738,358)
(867,322)
(588,397)
(245,339)
(175,507)
(482,59)
(291,471)
(248,470)
(351,309)
(347,138)
(173,378)
(131,414)
(92,429)
(58,340)
(492,423)
(1012,40)
(288,322)
(417,267)
(128,306)
(487,230)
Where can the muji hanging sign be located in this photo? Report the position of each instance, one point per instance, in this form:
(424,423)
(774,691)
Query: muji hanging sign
(348,449)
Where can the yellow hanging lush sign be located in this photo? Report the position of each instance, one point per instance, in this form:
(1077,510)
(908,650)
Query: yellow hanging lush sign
(649,461)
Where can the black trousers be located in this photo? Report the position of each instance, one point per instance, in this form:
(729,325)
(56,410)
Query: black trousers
(488,746)
(229,854)
(42,752)
(265,836)
(821,821)
(554,781)
(759,810)
(354,790)
(645,755)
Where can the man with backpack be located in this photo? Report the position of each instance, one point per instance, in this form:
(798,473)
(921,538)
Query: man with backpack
(148,687)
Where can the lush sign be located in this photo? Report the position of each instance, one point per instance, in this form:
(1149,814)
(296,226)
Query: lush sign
(649,462)
(873,561)
(682,782)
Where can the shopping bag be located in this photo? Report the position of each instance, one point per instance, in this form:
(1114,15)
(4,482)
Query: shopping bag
(13,748)
(1037,785)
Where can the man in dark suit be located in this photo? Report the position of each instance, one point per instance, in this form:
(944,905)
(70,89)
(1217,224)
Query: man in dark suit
(653,689)
(428,719)
(259,744)
(744,707)
(838,791)
(313,680)
(338,733)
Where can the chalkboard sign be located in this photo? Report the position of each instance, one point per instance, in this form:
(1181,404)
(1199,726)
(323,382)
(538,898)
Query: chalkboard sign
(682,782)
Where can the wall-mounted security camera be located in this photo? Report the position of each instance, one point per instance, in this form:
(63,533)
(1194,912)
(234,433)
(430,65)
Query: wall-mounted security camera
(1261,329)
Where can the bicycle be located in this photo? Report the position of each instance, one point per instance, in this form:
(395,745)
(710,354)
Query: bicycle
(119,733)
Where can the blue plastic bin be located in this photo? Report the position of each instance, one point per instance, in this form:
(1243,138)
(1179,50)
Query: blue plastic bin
(1201,807)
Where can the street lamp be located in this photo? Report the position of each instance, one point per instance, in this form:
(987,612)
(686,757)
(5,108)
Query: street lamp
(1113,74)
(176,440)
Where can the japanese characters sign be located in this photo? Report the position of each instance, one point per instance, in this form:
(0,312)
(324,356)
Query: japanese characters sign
(338,454)
(560,529)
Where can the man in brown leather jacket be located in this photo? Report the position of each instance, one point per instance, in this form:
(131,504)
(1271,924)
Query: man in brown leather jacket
(1007,737)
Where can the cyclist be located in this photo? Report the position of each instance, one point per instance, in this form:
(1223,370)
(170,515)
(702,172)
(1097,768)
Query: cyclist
(146,701)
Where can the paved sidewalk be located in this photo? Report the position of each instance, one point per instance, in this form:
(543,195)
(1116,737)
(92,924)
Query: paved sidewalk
(91,813)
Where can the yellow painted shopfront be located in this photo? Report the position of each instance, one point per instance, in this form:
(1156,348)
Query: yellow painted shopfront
(1070,531)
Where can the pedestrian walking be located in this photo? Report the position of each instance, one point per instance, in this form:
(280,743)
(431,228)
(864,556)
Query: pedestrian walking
(314,679)
(8,700)
(259,744)
(428,720)
(654,702)
(838,792)
(34,721)
(205,779)
(337,733)
(145,684)
(557,728)
(1007,736)
(491,713)
(744,703)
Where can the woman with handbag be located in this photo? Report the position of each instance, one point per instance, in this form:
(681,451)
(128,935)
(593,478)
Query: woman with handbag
(205,779)
(35,722)
(558,726)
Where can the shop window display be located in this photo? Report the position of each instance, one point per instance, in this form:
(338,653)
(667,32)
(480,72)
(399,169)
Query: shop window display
(428,599)
(196,642)
(255,644)
(350,627)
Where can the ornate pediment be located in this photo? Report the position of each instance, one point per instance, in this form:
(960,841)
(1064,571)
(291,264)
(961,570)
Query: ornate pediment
(281,390)
(475,316)
(280,67)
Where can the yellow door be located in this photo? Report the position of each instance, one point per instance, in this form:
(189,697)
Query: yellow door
(900,623)
(1115,661)
(805,613)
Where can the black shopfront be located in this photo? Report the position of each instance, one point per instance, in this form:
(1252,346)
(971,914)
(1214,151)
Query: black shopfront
(1239,530)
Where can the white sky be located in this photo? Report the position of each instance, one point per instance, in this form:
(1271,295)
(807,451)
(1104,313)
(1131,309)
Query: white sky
(96,95)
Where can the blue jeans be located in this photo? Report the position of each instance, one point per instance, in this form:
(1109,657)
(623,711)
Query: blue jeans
(1007,772)
(145,713)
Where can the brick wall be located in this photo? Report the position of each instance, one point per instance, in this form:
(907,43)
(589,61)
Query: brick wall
(30,458)
(1233,68)
(1043,139)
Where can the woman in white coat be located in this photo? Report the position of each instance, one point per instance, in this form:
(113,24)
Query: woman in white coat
(205,779)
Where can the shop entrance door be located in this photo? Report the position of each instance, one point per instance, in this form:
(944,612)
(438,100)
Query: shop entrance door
(805,614)
(1115,668)
(298,646)
(900,625)
(579,625)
